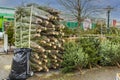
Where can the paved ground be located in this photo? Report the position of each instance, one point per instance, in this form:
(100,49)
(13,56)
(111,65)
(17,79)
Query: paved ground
(105,73)
(5,65)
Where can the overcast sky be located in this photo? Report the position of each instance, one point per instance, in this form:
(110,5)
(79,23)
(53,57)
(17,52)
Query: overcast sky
(53,3)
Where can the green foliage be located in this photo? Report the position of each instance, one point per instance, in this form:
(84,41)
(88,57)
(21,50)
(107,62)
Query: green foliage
(89,31)
(88,51)
(104,30)
(68,31)
(21,12)
(114,30)
(114,39)
(100,29)
(105,52)
(73,57)
(91,48)
(110,53)
(10,32)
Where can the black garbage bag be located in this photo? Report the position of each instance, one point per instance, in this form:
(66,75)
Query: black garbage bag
(20,66)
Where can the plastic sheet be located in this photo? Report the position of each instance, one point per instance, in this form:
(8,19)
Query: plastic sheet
(20,65)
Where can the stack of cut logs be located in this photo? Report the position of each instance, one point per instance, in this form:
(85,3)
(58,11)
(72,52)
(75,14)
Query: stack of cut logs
(48,44)
(46,39)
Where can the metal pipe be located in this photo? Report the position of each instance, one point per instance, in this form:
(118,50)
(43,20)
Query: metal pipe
(108,21)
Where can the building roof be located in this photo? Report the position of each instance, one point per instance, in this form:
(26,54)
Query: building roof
(7,8)
(5,12)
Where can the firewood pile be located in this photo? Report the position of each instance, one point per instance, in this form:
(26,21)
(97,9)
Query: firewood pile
(46,38)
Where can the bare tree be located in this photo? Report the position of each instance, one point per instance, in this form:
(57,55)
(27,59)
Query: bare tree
(79,8)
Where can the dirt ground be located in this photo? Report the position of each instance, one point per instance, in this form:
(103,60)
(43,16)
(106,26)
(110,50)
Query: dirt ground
(104,73)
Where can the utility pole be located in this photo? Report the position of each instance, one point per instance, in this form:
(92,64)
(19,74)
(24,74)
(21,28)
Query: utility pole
(108,9)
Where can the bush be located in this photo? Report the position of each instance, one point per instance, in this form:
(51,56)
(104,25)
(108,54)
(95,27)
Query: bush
(89,52)
(74,57)
(105,53)
(110,53)
(10,32)
(91,47)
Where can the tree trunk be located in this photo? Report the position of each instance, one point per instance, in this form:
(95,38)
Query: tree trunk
(98,66)
(90,66)
(80,70)
(118,65)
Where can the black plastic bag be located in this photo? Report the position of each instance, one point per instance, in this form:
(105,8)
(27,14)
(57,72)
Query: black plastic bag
(20,65)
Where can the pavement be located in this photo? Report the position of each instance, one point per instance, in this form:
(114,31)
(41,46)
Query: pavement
(5,65)
(104,73)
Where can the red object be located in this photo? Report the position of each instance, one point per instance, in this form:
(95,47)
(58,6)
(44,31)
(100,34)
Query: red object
(114,23)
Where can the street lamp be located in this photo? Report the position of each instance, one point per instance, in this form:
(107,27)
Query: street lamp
(108,9)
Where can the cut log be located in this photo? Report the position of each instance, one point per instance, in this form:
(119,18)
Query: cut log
(35,61)
(54,51)
(37,47)
(53,43)
(42,42)
(53,39)
(59,60)
(45,68)
(56,64)
(36,35)
(44,56)
(47,28)
(45,44)
(54,67)
(60,48)
(54,47)
(53,56)
(58,27)
(58,55)
(41,17)
(42,28)
(61,34)
(45,60)
(50,33)
(50,29)
(54,60)
(46,38)
(36,67)
(48,51)
(52,18)
(38,20)
(50,25)
(38,30)
(35,55)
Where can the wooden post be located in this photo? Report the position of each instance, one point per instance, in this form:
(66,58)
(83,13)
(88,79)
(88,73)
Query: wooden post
(15,29)
(5,42)
(21,34)
(30,25)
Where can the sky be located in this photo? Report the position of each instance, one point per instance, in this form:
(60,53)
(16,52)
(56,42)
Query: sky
(115,13)
(14,3)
